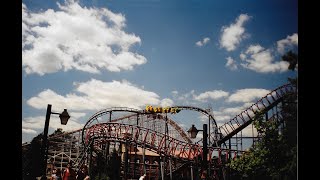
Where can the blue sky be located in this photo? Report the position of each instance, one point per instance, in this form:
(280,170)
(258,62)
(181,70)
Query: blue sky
(91,55)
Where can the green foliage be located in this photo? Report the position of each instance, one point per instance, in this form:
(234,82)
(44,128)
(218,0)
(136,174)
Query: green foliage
(33,159)
(106,168)
(292,59)
(275,155)
(102,177)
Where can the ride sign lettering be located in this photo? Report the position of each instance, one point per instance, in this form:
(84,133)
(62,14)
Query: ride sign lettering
(172,110)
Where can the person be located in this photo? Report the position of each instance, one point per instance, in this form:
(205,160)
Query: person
(53,175)
(204,174)
(81,175)
(142,177)
(69,173)
(56,174)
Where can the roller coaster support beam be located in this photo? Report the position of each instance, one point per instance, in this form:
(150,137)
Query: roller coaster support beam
(205,149)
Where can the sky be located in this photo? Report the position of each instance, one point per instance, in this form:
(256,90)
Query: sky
(85,56)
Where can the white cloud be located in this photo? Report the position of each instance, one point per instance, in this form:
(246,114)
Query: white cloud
(232,111)
(216,94)
(243,56)
(288,42)
(199,43)
(76,115)
(174,92)
(254,49)
(33,122)
(29,131)
(166,102)
(247,131)
(96,95)
(231,64)
(216,113)
(203,118)
(203,42)
(234,34)
(247,95)
(29,124)
(227,113)
(75,37)
(222,118)
(261,60)
(186,96)
(248,104)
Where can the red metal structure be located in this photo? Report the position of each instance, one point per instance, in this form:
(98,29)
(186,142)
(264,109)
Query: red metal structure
(156,132)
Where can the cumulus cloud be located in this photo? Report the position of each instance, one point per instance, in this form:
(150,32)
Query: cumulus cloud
(75,37)
(203,42)
(174,92)
(203,118)
(231,64)
(259,59)
(290,41)
(247,132)
(29,131)
(247,95)
(216,94)
(234,34)
(232,111)
(243,56)
(96,95)
(166,102)
(31,124)
(186,96)
(222,118)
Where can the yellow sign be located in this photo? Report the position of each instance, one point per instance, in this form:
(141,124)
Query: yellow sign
(162,110)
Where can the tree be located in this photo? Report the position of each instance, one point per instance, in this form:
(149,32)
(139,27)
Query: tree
(32,163)
(33,157)
(292,59)
(275,154)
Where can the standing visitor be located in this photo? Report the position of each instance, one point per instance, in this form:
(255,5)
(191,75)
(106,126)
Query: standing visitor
(56,174)
(69,173)
(82,173)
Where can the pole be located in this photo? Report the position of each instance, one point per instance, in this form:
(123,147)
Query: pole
(165,144)
(125,160)
(143,159)
(205,149)
(162,173)
(229,148)
(135,152)
(209,172)
(90,160)
(45,141)
(170,166)
(191,172)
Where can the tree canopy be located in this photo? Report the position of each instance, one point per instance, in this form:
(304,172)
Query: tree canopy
(275,155)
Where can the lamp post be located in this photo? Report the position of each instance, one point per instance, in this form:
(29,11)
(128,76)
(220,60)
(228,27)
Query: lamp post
(127,137)
(193,131)
(64,117)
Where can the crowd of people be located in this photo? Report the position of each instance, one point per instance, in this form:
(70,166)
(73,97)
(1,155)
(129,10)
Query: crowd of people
(70,174)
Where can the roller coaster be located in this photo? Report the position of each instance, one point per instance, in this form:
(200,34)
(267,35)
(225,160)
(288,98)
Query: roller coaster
(137,134)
